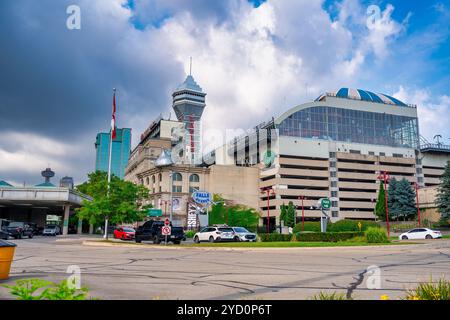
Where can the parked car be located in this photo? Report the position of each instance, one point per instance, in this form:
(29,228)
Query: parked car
(177,235)
(420,233)
(148,231)
(242,234)
(3,224)
(36,229)
(124,233)
(51,230)
(215,234)
(18,230)
(4,235)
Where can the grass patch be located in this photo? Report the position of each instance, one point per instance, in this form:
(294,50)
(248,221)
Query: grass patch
(285,244)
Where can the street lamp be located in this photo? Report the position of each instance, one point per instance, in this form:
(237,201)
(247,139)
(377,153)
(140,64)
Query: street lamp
(385,177)
(165,205)
(269,191)
(416,187)
(303,213)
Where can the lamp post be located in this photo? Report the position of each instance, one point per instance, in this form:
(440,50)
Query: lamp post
(385,177)
(303,212)
(416,187)
(269,191)
(165,205)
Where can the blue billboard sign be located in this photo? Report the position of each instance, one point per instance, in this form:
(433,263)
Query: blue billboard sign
(202,197)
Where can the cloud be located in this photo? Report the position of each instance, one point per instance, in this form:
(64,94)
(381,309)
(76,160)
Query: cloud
(254,62)
(431,111)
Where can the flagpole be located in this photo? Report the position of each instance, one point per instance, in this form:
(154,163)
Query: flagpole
(109,167)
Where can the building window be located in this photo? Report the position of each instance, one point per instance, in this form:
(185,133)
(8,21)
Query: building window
(194,178)
(333,174)
(332,154)
(334,204)
(160,177)
(397,155)
(177,189)
(193,189)
(332,164)
(335,214)
(177,176)
(355,151)
(333,184)
(153,179)
(371,153)
(334,194)
(148,181)
(382,154)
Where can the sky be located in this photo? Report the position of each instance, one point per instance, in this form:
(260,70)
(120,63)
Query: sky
(254,59)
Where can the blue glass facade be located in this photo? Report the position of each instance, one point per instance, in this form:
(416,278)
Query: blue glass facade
(121,148)
(330,123)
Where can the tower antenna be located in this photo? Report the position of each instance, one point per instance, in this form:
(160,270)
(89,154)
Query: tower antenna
(190,67)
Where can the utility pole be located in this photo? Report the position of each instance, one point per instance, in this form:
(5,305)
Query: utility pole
(303,213)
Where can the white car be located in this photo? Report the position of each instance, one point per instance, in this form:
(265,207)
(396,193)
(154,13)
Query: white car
(214,234)
(242,234)
(420,233)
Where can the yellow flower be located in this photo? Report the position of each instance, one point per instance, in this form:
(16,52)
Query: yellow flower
(384,297)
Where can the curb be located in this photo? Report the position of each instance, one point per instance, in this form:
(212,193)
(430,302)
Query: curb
(162,247)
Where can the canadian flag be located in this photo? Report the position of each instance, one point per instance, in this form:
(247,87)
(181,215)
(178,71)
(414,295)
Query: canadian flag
(113,119)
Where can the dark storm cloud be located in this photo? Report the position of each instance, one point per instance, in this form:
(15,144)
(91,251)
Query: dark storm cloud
(57,83)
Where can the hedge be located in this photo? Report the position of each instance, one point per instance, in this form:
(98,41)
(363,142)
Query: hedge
(327,237)
(376,235)
(309,226)
(339,226)
(310,236)
(351,225)
(272,237)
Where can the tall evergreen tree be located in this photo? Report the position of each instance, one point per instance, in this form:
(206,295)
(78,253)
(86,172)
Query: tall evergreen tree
(290,215)
(405,199)
(380,209)
(394,211)
(443,194)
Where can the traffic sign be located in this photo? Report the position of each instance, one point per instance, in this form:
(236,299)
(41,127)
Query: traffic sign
(154,213)
(326,203)
(202,197)
(166,231)
(166,222)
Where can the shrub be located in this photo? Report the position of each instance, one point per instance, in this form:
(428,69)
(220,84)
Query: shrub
(327,237)
(190,233)
(37,289)
(351,225)
(272,237)
(376,235)
(431,291)
(309,226)
(330,296)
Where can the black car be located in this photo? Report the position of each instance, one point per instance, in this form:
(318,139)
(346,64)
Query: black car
(36,229)
(18,230)
(177,235)
(148,231)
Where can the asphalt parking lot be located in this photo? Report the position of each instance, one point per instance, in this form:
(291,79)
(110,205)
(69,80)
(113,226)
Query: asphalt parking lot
(148,272)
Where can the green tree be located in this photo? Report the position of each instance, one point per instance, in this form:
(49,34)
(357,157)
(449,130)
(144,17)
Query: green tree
(443,194)
(380,209)
(405,199)
(123,203)
(283,213)
(394,212)
(235,215)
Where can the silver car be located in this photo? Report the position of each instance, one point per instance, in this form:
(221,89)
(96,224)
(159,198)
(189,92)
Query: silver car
(51,230)
(242,234)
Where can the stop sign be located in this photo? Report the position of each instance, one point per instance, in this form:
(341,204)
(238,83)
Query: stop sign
(167,222)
